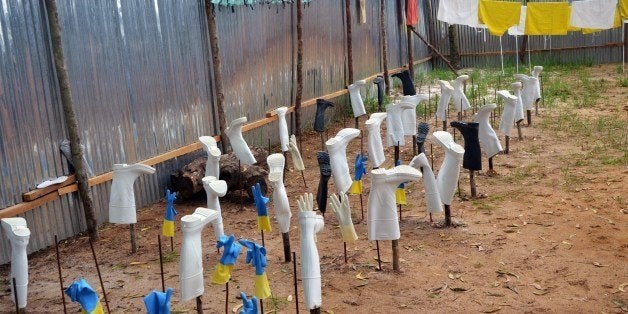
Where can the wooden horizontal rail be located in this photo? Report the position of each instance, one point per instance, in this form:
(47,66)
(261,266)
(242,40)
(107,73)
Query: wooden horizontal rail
(102,178)
(512,52)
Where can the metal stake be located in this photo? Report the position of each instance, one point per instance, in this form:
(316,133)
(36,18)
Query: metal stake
(199,305)
(345,249)
(286,246)
(395,254)
(447,215)
(133,239)
(60,277)
(472,183)
(296,289)
(379,259)
(161,265)
(102,286)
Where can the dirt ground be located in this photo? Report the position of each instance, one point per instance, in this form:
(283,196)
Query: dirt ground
(549,236)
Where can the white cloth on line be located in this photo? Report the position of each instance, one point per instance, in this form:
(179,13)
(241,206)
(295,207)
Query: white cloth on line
(462,12)
(596,14)
(519,30)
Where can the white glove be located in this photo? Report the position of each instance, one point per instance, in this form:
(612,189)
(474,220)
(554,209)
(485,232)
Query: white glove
(305,202)
(342,211)
(296,155)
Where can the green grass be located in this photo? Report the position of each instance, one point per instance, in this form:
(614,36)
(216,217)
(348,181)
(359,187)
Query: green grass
(623,81)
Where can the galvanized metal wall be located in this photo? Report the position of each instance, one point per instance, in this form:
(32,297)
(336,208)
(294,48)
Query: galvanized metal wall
(139,72)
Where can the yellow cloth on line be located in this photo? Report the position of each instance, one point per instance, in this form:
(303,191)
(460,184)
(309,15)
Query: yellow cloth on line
(548,18)
(623,9)
(498,16)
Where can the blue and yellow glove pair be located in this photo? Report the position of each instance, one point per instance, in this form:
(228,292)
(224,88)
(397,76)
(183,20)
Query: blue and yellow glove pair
(168,228)
(263,222)
(80,291)
(158,302)
(256,256)
(360,170)
(250,306)
(230,253)
(400,193)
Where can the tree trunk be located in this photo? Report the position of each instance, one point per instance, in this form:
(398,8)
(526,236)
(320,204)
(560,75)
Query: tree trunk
(70,119)
(349,48)
(220,96)
(299,94)
(454,55)
(382,28)
(410,55)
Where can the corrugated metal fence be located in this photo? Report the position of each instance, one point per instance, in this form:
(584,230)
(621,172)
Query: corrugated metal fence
(139,72)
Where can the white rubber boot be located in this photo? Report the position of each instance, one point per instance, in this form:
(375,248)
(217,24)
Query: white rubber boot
(531,91)
(383,222)
(284,137)
(449,171)
(408,117)
(488,138)
(432,196)
(446,92)
(18,234)
(212,166)
(214,189)
(508,114)
(461,102)
(374,139)
(356,99)
(122,196)
(276,164)
(394,123)
(191,259)
(240,148)
(337,148)
(516,91)
(310,224)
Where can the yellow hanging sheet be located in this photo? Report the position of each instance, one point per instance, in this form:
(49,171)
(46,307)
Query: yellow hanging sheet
(499,15)
(623,9)
(548,18)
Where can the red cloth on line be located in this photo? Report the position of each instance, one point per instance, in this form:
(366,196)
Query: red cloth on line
(412,12)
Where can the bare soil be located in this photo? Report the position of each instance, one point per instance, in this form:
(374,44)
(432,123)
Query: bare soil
(548,235)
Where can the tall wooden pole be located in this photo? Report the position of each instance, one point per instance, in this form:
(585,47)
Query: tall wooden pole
(349,43)
(70,119)
(410,55)
(210,13)
(299,94)
(382,28)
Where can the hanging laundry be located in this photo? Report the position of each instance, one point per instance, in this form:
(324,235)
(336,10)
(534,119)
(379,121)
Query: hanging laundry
(548,18)
(462,12)
(596,14)
(519,29)
(616,24)
(412,12)
(499,15)
(623,9)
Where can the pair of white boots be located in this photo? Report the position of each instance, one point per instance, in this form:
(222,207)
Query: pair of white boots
(449,92)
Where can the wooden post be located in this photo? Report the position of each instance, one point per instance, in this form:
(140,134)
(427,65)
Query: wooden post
(17,308)
(199,305)
(349,43)
(299,93)
(410,54)
(345,250)
(133,238)
(519,132)
(384,43)
(472,183)
(227,297)
(71,123)
(286,246)
(453,46)
(65,310)
(447,215)
(507,150)
(379,259)
(210,13)
(395,254)
(102,285)
(440,55)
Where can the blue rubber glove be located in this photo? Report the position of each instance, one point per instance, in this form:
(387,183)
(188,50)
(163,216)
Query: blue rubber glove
(158,302)
(360,166)
(170,198)
(255,255)
(80,291)
(250,306)
(260,200)
(231,251)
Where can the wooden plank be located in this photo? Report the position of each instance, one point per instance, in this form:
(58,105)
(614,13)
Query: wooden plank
(20,208)
(37,193)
